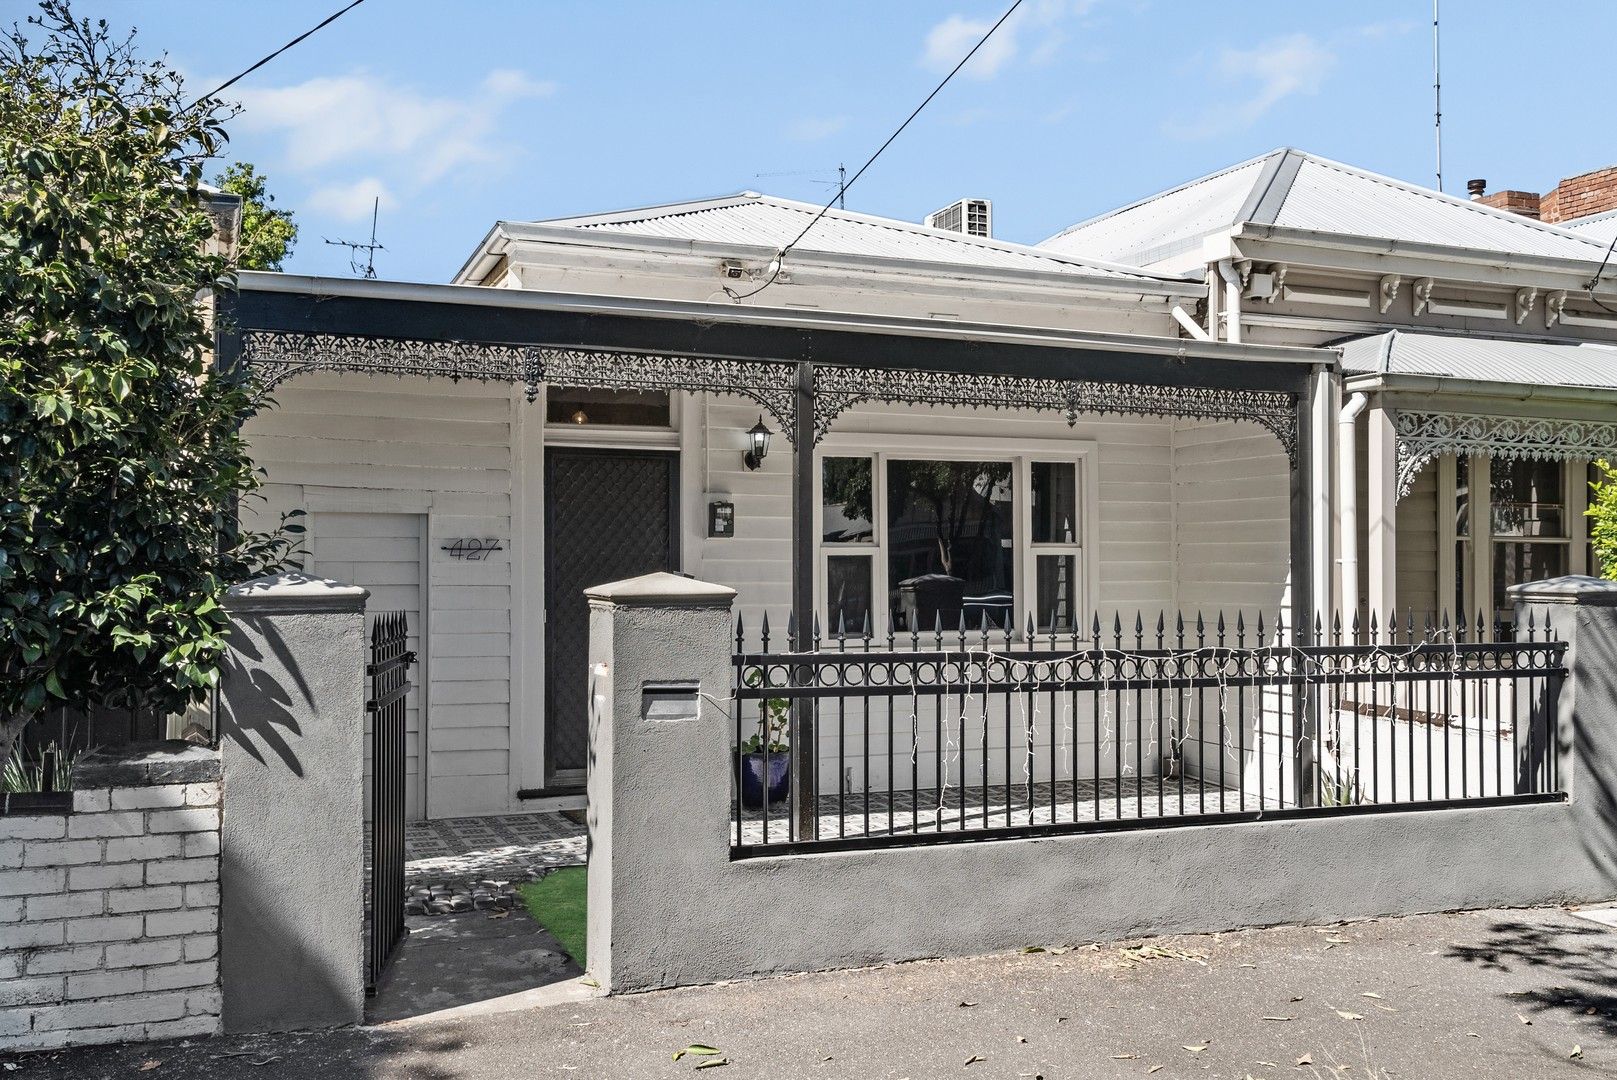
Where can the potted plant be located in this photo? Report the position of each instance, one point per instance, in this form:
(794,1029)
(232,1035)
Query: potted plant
(764,760)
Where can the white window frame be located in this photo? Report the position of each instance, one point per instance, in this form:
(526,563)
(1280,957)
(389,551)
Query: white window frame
(1479,568)
(610,436)
(1021,454)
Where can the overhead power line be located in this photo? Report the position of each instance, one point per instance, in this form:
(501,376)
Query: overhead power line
(228,83)
(780,256)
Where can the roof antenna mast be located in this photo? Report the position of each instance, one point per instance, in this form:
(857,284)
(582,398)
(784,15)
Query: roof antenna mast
(1437,95)
(368,270)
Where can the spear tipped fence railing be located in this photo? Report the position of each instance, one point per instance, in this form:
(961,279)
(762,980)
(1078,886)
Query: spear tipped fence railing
(1171,719)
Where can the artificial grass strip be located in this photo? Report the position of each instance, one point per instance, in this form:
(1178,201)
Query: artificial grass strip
(558,902)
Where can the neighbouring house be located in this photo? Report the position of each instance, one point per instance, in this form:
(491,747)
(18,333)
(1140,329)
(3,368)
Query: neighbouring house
(906,429)
(1479,364)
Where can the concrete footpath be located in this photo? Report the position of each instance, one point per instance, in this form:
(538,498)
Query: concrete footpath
(1521,995)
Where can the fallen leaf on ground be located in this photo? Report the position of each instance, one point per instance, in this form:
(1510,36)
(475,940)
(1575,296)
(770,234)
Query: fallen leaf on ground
(1269,1064)
(968,1004)
(1156,1068)
(1032,948)
(1339,940)
(1577,1052)
(1344,1014)
(1197,1049)
(1372,994)
(1279,1018)
(1299,997)
(1306,1059)
(713,1062)
(1123,1057)
(697,1050)
(500,915)
(973,1059)
(1472,1035)
(266,1061)
(149,1065)
(1021,1038)
(1523,1019)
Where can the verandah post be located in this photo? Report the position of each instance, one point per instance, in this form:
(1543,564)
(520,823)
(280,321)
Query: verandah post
(804,741)
(1305,711)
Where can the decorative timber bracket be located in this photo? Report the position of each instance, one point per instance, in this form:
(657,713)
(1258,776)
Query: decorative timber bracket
(273,356)
(1425,436)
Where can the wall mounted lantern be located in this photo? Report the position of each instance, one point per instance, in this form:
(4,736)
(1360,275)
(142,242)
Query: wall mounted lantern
(757,443)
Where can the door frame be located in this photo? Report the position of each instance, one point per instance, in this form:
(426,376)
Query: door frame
(571,782)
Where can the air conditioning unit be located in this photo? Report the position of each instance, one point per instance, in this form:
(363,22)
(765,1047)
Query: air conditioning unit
(974,217)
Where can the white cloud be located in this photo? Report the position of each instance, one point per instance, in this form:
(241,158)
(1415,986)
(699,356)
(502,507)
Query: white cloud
(351,201)
(329,121)
(1282,67)
(953,38)
(814,128)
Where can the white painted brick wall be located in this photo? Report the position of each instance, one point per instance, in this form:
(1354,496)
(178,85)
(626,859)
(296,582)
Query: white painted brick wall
(109,919)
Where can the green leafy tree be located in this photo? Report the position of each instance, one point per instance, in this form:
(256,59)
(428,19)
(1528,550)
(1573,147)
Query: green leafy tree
(267,234)
(1603,521)
(121,459)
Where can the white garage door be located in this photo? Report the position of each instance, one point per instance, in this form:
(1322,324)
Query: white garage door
(384,553)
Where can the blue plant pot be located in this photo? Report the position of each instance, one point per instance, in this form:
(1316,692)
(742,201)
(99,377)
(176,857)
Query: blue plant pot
(759,776)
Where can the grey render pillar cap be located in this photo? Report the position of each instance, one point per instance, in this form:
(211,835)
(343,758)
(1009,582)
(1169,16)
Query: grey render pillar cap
(661,589)
(1571,589)
(295,592)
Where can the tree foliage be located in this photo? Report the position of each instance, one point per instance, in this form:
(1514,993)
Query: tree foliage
(1603,521)
(267,234)
(121,459)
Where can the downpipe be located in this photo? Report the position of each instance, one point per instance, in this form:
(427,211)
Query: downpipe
(1232,299)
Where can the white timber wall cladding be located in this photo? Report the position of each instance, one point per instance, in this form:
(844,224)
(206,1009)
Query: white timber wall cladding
(385,554)
(343,446)
(1232,505)
(1133,470)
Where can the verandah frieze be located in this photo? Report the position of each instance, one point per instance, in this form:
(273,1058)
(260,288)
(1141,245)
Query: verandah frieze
(273,356)
(1423,437)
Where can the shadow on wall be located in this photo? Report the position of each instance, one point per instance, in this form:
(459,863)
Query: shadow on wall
(261,731)
(259,927)
(1594,760)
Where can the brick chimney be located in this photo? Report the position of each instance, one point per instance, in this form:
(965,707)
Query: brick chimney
(1525,203)
(1579,196)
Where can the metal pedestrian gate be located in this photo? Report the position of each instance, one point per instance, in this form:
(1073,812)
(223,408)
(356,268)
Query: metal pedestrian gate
(389,672)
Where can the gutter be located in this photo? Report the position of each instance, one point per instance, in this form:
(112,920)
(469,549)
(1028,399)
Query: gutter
(1457,387)
(742,314)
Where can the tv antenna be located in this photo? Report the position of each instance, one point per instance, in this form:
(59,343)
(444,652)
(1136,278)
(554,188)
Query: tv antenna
(817,177)
(368,270)
(1437,96)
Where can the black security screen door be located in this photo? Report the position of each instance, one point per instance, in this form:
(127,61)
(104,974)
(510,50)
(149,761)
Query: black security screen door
(609,515)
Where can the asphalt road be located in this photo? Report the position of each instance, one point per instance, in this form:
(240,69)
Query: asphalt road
(1509,995)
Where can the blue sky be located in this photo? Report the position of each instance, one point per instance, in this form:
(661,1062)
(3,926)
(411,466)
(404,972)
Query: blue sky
(459,114)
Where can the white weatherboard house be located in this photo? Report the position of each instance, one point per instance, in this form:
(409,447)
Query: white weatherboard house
(1145,414)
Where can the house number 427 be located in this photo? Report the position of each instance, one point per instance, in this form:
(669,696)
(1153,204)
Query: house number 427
(471,548)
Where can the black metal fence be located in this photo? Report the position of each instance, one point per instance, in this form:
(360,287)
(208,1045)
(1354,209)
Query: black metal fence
(389,672)
(950,735)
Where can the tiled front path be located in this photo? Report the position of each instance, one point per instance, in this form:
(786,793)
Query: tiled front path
(513,848)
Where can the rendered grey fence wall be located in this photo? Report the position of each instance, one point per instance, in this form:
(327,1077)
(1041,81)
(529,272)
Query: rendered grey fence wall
(669,906)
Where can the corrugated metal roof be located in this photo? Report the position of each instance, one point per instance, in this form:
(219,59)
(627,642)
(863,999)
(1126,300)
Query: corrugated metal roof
(1171,223)
(1330,197)
(1293,189)
(1601,227)
(1494,360)
(756,220)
